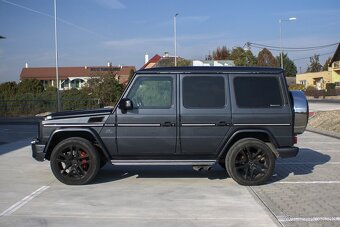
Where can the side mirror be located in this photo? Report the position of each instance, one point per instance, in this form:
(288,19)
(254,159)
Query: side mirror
(125,104)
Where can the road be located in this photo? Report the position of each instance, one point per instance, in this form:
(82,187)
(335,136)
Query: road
(16,132)
(323,105)
(303,191)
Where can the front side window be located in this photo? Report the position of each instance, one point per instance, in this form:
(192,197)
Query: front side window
(152,92)
(203,92)
(257,92)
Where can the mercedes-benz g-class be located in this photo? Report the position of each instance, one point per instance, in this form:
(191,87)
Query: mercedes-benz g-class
(242,118)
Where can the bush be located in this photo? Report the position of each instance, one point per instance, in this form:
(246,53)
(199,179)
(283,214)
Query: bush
(312,91)
(29,98)
(330,89)
(299,87)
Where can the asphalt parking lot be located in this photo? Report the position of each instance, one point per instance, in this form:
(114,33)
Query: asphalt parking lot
(303,192)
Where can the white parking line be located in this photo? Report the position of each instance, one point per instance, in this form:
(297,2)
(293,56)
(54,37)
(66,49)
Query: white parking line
(309,219)
(24,201)
(307,182)
(307,163)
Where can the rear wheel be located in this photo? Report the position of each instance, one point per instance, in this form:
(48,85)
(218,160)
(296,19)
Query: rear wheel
(75,161)
(250,162)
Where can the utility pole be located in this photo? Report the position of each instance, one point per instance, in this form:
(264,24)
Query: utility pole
(56,55)
(281,50)
(175,37)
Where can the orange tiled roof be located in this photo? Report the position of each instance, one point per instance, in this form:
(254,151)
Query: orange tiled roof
(49,73)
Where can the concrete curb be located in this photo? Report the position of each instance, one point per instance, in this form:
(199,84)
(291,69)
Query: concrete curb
(325,133)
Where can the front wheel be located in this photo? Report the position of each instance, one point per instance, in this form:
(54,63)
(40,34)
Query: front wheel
(75,161)
(250,162)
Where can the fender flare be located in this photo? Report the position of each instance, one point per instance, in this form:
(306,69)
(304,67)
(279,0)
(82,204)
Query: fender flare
(90,131)
(228,140)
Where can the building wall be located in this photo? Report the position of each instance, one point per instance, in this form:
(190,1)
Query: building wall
(316,79)
(336,72)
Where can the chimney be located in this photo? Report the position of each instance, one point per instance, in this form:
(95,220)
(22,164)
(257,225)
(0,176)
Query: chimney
(109,64)
(26,65)
(146,58)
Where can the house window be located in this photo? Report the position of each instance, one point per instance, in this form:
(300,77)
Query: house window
(76,83)
(303,82)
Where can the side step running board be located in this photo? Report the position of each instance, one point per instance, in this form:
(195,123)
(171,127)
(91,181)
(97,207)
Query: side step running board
(164,162)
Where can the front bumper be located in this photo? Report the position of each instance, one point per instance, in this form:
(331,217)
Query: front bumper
(287,152)
(38,150)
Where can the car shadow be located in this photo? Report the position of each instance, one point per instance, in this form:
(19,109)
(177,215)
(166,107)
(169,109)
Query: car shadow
(114,173)
(13,146)
(303,164)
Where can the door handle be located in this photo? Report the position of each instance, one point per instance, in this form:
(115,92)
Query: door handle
(167,124)
(222,123)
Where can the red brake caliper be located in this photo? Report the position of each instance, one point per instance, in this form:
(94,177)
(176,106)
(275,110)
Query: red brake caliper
(83,161)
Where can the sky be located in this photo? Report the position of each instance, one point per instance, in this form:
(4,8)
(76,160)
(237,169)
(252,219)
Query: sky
(94,32)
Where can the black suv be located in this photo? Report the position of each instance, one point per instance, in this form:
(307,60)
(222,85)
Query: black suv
(241,118)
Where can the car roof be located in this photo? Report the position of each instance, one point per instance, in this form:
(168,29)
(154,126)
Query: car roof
(211,69)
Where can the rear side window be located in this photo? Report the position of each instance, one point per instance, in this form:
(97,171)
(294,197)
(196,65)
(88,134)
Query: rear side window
(257,92)
(203,92)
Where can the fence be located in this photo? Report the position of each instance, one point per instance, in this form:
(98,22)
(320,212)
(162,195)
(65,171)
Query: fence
(29,108)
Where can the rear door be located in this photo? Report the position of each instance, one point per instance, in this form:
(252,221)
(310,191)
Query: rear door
(205,112)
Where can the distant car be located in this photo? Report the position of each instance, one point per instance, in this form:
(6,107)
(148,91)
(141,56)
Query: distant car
(242,118)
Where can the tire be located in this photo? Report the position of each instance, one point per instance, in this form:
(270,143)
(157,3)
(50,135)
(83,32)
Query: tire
(75,161)
(250,162)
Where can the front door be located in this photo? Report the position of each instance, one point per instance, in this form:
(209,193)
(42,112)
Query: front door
(150,128)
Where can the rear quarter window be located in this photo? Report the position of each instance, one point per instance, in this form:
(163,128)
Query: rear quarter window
(257,92)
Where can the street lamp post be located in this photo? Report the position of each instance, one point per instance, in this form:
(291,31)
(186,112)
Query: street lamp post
(175,37)
(56,54)
(281,50)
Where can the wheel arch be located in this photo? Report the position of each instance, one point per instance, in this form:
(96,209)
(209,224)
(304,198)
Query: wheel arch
(260,134)
(86,133)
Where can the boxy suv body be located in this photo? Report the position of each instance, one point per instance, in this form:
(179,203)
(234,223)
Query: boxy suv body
(241,118)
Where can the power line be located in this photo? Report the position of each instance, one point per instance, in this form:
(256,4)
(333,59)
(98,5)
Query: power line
(257,45)
(297,59)
(50,16)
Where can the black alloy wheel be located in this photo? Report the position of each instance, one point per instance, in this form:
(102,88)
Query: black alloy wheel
(250,162)
(75,161)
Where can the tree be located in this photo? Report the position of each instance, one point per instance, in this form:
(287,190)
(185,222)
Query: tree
(221,53)
(266,58)
(314,65)
(8,90)
(170,62)
(242,57)
(325,66)
(32,86)
(288,65)
(105,87)
(131,74)
(250,58)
